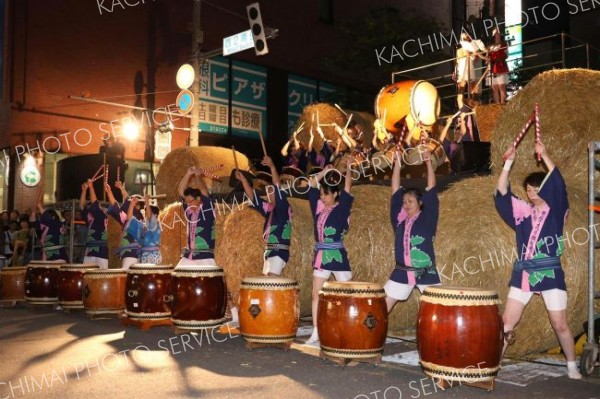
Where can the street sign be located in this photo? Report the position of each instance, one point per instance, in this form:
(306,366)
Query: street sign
(238,42)
(185,101)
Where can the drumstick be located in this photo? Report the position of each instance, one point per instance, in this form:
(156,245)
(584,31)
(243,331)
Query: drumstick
(518,138)
(262,143)
(348,122)
(340,108)
(235,158)
(158,196)
(538,128)
(97,172)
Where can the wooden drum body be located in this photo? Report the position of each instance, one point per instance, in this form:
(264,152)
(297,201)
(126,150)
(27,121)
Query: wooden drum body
(407,102)
(269,309)
(41,283)
(199,297)
(352,319)
(70,284)
(459,333)
(104,291)
(148,292)
(12,284)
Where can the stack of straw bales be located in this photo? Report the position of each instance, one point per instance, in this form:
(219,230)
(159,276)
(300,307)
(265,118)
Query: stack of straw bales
(177,162)
(487,116)
(474,247)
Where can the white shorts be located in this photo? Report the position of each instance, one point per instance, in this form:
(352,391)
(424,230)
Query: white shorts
(401,292)
(500,79)
(196,262)
(100,262)
(339,276)
(127,262)
(273,265)
(554,299)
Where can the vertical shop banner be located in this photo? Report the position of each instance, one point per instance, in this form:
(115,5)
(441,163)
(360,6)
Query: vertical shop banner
(249,100)
(214,96)
(325,91)
(301,92)
(247,90)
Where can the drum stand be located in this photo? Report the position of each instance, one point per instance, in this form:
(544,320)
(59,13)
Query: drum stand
(281,345)
(343,361)
(11,302)
(488,385)
(145,324)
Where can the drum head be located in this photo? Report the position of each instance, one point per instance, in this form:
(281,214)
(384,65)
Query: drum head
(78,266)
(352,288)
(13,269)
(268,283)
(456,296)
(103,273)
(198,271)
(148,268)
(45,265)
(424,103)
(292,171)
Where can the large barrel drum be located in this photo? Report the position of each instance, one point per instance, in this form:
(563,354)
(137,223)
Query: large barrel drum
(12,284)
(408,102)
(104,291)
(70,284)
(148,292)
(199,297)
(269,309)
(459,333)
(41,283)
(352,319)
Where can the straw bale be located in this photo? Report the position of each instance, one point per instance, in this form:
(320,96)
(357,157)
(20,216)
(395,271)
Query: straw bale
(569,116)
(487,116)
(177,162)
(114,231)
(327,114)
(476,249)
(173,236)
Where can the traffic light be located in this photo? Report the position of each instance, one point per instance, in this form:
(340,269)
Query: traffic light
(256,26)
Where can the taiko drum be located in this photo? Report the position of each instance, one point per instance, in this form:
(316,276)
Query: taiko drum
(148,292)
(269,309)
(407,102)
(459,333)
(352,319)
(12,283)
(104,291)
(199,296)
(70,284)
(41,283)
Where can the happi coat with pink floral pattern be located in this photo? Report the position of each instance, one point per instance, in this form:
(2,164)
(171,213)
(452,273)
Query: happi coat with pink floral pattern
(538,231)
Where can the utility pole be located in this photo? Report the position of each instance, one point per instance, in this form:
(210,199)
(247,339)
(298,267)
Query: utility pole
(197,40)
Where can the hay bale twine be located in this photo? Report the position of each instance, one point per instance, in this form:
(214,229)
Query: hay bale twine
(476,249)
(327,114)
(487,117)
(177,162)
(568,101)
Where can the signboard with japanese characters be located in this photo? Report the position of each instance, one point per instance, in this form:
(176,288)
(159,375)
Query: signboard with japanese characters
(247,91)
(301,92)
(249,100)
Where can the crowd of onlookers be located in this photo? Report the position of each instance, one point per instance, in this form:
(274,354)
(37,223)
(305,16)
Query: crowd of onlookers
(20,236)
